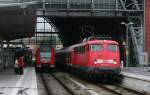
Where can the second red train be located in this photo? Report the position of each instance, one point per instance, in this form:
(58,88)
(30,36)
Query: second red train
(45,58)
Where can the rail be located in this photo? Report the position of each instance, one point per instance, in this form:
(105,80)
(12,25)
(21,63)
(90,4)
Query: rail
(66,87)
(59,81)
(118,89)
(45,84)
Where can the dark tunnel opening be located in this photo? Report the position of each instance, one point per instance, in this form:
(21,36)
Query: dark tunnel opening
(72,30)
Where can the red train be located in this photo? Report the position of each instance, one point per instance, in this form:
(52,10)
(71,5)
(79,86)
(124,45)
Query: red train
(96,55)
(45,58)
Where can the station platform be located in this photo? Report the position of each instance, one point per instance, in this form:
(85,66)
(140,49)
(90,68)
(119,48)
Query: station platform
(142,73)
(137,78)
(13,84)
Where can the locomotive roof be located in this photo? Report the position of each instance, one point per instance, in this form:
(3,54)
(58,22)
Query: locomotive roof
(93,42)
(102,41)
(101,37)
(98,37)
(68,49)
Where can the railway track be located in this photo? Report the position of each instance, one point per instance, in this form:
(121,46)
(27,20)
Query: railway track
(44,83)
(115,89)
(121,90)
(63,84)
(55,86)
(76,86)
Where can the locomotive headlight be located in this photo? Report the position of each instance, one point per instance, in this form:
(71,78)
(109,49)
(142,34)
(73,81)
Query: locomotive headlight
(95,61)
(115,62)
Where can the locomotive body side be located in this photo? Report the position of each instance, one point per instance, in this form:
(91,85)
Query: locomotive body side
(64,58)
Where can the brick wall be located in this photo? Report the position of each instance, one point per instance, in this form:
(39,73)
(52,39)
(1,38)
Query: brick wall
(147,26)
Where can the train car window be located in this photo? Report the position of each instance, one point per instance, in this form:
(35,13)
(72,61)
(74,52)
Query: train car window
(112,47)
(93,39)
(96,47)
(76,49)
(80,49)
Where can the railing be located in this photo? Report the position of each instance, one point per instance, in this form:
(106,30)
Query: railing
(84,4)
(15,1)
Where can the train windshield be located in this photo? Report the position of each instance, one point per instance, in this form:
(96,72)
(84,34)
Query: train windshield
(46,54)
(96,47)
(112,47)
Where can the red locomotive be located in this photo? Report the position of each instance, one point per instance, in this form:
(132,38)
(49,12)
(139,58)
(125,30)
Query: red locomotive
(96,55)
(45,58)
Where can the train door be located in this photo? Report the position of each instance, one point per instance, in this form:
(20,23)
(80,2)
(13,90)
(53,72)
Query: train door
(52,59)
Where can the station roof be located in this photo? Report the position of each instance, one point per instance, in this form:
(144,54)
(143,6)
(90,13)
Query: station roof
(17,19)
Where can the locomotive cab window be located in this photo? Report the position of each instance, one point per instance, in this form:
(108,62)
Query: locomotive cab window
(112,47)
(96,47)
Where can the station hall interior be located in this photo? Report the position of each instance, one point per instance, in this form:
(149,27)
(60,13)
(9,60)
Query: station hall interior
(26,25)
(26,22)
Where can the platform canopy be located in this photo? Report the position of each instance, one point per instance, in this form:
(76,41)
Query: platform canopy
(17,19)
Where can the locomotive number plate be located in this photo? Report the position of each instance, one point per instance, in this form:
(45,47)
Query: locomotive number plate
(103,61)
(98,61)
